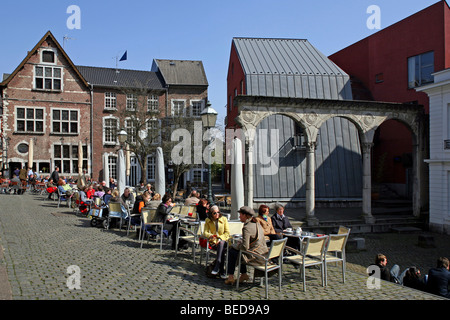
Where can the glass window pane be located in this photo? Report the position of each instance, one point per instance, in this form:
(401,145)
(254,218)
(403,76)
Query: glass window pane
(64,127)
(39,83)
(48,84)
(39,71)
(30,113)
(21,113)
(73,127)
(30,125)
(57,72)
(65,115)
(20,125)
(56,127)
(56,115)
(39,114)
(66,151)
(48,56)
(57,150)
(66,166)
(48,72)
(57,84)
(73,115)
(39,126)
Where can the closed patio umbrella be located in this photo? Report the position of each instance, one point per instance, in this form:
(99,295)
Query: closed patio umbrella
(237,179)
(30,153)
(105,167)
(80,158)
(121,171)
(160,178)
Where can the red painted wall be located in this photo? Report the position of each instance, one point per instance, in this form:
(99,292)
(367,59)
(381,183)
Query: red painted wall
(386,52)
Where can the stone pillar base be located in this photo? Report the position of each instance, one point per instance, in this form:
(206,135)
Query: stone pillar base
(312,221)
(368,219)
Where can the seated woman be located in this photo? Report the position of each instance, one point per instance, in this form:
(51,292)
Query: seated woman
(163,214)
(202,209)
(155,202)
(266,223)
(100,192)
(64,188)
(217,232)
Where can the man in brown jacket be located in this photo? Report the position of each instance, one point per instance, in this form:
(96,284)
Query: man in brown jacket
(252,240)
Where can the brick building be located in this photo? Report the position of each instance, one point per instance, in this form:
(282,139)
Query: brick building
(55,105)
(117,96)
(45,102)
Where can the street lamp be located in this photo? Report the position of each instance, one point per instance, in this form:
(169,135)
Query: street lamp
(122,135)
(209,118)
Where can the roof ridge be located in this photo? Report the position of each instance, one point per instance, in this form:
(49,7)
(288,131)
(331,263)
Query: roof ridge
(111,68)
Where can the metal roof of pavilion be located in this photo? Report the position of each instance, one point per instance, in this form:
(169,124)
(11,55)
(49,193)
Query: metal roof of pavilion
(121,78)
(290,68)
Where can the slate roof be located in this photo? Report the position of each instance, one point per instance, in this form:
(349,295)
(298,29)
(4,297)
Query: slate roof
(181,72)
(290,68)
(121,78)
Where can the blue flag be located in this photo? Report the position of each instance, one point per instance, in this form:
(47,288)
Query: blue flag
(124,57)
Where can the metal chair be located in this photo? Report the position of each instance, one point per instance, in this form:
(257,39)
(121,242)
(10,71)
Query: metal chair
(335,252)
(147,225)
(116,211)
(311,254)
(62,197)
(275,252)
(343,230)
(191,236)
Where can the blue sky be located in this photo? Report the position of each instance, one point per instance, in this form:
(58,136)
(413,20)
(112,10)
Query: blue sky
(190,30)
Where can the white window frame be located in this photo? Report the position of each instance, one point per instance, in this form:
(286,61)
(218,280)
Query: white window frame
(53,50)
(158,123)
(45,77)
(61,121)
(414,82)
(25,119)
(131,102)
(152,103)
(151,168)
(183,113)
(202,106)
(72,160)
(105,141)
(130,128)
(110,97)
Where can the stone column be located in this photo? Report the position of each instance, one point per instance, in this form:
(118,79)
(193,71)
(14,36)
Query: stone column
(249,163)
(416,196)
(310,184)
(367,183)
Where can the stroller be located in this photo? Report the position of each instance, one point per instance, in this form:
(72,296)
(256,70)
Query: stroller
(98,214)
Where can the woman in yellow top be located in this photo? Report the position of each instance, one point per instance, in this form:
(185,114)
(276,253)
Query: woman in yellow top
(217,232)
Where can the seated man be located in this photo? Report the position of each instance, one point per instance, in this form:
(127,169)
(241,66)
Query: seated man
(439,278)
(192,199)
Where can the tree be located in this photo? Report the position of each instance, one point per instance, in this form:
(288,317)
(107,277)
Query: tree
(142,123)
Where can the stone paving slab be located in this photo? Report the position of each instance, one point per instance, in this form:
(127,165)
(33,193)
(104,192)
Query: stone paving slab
(40,242)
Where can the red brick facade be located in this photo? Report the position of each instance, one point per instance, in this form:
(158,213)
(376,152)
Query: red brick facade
(50,110)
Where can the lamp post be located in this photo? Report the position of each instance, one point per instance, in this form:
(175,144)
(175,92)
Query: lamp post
(209,118)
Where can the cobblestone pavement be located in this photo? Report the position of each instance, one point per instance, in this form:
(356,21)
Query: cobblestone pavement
(40,242)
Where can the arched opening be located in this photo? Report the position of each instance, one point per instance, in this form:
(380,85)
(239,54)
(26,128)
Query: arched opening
(338,160)
(392,162)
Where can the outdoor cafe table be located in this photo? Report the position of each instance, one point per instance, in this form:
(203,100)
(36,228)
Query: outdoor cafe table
(301,236)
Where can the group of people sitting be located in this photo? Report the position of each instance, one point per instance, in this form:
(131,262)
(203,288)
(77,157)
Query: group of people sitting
(436,281)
